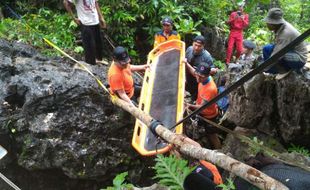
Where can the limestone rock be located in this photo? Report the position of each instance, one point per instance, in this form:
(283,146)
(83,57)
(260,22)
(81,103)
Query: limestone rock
(55,117)
(276,107)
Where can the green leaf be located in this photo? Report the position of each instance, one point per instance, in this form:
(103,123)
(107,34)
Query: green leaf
(171,171)
(119,179)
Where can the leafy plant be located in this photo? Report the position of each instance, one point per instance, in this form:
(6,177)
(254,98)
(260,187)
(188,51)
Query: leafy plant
(299,149)
(229,185)
(171,171)
(254,148)
(33,27)
(119,183)
(219,64)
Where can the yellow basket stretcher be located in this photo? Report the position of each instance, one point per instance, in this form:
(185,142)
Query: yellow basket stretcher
(162,95)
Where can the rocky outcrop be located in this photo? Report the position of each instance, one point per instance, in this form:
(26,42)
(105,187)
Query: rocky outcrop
(215,42)
(54,116)
(275,107)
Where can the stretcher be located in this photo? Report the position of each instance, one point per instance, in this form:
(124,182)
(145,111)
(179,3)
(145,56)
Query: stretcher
(162,95)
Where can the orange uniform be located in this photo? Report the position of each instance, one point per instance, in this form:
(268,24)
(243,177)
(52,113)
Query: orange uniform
(121,79)
(217,178)
(160,37)
(207,92)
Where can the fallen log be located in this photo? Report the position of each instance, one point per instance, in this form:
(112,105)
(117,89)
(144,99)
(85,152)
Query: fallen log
(240,169)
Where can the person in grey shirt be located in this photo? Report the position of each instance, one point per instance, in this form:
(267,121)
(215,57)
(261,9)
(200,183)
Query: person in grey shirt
(285,33)
(195,55)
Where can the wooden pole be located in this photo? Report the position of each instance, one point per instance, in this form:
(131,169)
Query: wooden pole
(240,169)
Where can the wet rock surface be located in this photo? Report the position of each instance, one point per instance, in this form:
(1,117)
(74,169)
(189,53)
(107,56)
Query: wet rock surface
(55,117)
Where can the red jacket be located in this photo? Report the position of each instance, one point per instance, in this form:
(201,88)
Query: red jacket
(236,22)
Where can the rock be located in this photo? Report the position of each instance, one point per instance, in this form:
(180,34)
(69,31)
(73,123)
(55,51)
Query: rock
(276,107)
(241,150)
(215,42)
(153,187)
(54,117)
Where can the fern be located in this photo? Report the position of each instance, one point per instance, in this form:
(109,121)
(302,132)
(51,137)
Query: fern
(229,185)
(171,171)
(119,183)
(299,149)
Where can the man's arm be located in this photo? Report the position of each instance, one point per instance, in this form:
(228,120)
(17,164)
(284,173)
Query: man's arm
(190,68)
(139,67)
(194,106)
(101,18)
(245,19)
(231,18)
(208,59)
(68,6)
(122,94)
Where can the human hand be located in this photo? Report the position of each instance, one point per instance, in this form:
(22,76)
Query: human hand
(146,67)
(186,105)
(213,71)
(102,23)
(77,21)
(184,60)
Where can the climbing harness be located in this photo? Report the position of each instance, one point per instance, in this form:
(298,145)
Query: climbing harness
(269,62)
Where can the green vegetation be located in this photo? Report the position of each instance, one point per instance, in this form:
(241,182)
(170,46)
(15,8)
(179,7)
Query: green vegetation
(34,27)
(256,146)
(134,23)
(171,171)
(299,149)
(119,183)
(229,185)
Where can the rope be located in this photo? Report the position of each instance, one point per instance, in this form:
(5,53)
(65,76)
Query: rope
(9,182)
(250,142)
(58,49)
(269,62)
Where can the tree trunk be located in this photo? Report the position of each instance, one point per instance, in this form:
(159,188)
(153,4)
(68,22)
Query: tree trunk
(242,170)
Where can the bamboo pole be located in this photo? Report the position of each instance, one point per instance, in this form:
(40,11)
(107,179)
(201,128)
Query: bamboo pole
(240,169)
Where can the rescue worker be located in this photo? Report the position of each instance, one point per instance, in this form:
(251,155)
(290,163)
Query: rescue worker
(207,90)
(166,33)
(120,75)
(246,60)
(205,176)
(90,20)
(284,34)
(238,21)
(247,52)
(194,55)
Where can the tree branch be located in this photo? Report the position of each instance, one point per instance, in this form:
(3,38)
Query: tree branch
(242,170)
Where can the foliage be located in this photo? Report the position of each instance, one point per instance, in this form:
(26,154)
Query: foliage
(119,183)
(219,64)
(297,13)
(171,171)
(229,185)
(254,147)
(133,23)
(33,27)
(299,149)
